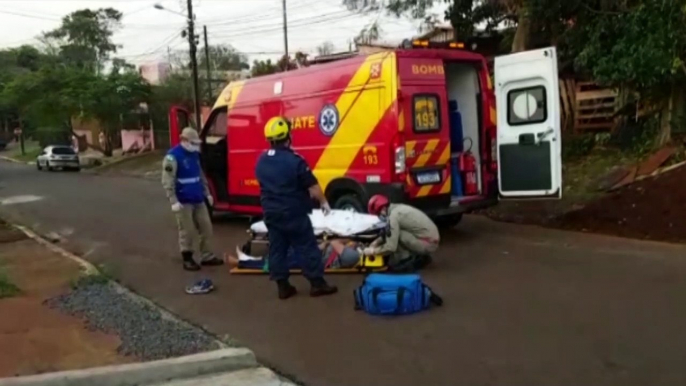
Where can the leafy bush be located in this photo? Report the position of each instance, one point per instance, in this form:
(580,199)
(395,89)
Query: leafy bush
(7,288)
(52,136)
(637,137)
(577,145)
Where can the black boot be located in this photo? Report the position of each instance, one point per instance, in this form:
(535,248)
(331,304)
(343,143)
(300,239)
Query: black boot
(321,288)
(188,263)
(286,290)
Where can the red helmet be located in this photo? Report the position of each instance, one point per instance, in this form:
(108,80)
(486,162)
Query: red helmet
(377,203)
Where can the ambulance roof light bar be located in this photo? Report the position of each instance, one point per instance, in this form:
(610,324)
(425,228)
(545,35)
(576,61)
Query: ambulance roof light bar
(420,43)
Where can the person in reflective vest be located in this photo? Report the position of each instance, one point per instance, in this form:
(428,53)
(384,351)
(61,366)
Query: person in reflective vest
(287,187)
(189,195)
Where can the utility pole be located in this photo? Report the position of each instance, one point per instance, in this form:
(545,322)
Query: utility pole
(194,64)
(207,63)
(285,34)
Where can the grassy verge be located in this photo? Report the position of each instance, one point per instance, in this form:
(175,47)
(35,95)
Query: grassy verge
(581,176)
(581,181)
(31,151)
(7,288)
(102,276)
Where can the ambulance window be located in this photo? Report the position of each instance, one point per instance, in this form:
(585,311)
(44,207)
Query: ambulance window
(218,128)
(526,106)
(426,112)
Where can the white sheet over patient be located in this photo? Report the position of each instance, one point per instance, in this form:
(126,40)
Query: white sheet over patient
(338,222)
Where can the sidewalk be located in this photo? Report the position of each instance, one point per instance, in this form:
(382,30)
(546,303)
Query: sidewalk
(47,299)
(43,339)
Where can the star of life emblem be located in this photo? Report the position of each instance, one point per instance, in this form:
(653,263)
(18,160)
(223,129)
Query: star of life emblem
(329,119)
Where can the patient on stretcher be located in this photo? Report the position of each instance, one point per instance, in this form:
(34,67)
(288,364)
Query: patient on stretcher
(340,253)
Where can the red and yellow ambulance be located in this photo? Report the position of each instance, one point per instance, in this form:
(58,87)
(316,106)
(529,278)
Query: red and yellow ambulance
(417,124)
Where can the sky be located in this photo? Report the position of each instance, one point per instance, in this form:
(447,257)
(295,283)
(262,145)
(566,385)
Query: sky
(254,27)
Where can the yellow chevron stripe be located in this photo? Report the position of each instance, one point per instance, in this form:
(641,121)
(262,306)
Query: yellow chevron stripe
(229,95)
(401,120)
(361,106)
(426,153)
(445,189)
(409,146)
(445,156)
(424,190)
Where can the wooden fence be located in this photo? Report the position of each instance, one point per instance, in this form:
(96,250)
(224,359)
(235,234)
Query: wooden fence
(586,107)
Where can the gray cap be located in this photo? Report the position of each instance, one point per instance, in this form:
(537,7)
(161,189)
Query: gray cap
(191,135)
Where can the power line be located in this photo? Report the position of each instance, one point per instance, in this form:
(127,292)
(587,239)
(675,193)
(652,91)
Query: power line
(166,42)
(238,20)
(294,22)
(29,15)
(233,34)
(260,17)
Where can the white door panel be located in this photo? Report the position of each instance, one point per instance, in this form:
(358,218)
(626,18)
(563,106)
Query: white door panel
(529,137)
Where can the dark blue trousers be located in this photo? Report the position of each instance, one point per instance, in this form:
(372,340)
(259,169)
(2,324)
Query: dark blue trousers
(286,232)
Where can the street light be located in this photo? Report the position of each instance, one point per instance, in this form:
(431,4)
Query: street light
(194,60)
(162,8)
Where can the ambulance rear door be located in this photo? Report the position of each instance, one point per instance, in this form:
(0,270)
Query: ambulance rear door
(426,129)
(179,118)
(529,137)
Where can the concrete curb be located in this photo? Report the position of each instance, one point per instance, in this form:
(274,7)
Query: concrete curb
(213,362)
(9,159)
(259,376)
(90,269)
(124,160)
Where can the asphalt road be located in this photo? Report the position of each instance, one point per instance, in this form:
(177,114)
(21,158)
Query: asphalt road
(523,305)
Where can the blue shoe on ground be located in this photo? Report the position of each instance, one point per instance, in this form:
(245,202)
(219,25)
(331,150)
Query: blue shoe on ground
(201,287)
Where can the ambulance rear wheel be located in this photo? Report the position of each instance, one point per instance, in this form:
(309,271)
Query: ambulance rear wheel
(349,202)
(447,222)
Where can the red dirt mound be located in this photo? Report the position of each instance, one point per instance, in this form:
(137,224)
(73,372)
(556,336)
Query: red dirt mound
(654,208)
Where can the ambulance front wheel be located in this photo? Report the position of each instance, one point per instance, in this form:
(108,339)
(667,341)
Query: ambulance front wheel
(447,222)
(349,202)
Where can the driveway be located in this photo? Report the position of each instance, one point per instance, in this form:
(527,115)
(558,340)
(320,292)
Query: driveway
(523,305)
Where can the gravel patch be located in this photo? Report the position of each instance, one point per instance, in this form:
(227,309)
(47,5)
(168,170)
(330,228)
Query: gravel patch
(144,332)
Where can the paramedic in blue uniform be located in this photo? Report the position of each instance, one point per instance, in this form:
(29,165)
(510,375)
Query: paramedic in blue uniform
(287,187)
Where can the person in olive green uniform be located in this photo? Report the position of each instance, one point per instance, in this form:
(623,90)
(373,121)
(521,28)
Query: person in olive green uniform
(412,233)
(187,190)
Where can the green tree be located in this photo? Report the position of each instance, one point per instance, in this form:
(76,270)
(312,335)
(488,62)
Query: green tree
(15,62)
(263,67)
(536,22)
(85,37)
(51,96)
(115,97)
(325,48)
(640,46)
(223,58)
(369,34)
